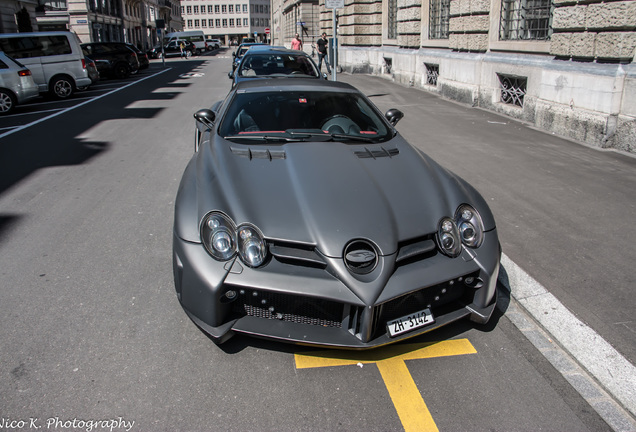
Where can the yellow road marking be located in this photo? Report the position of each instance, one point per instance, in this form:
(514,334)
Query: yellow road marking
(406,398)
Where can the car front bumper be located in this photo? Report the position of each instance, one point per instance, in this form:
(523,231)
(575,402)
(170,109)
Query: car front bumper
(308,305)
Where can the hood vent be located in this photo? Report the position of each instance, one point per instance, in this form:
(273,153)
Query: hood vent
(377,153)
(258,153)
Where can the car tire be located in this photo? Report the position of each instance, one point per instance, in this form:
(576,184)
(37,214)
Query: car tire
(121,71)
(7,102)
(197,52)
(61,87)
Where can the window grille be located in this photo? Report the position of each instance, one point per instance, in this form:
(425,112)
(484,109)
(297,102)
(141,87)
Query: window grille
(438,19)
(388,65)
(392,20)
(513,89)
(432,73)
(526,20)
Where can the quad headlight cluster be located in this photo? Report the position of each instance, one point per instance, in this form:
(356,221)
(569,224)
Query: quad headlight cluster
(466,228)
(223,239)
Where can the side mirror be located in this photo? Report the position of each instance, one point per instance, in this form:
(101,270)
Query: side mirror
(205,116)
(234,54)
(394,115)
(230,75)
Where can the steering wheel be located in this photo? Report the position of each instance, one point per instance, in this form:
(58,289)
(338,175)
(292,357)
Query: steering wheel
(340,123)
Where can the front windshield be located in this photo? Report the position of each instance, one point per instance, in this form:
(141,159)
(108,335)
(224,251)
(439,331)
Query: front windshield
(303,116)
(255,65)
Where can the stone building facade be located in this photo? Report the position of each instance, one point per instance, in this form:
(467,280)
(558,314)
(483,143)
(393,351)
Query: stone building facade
(565,66)
(296,16)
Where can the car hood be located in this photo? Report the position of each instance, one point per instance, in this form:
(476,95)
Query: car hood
(324,193)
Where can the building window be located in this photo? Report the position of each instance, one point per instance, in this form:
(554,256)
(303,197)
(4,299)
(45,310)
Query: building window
(217,22)
(196,9)
(526,20)
(392,20)
(210,9)
(211,23)
(231,22)
(438,19)
(224,22)
(204,23)
(224,8)
(216,8)
(513,89)
(432,73)
(245,22)
(189,10)
(196,23)
(190,23)
(238,8)
(244,8)
(231,9)
(182,10)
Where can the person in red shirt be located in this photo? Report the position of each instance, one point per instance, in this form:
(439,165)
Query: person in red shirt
(296,43)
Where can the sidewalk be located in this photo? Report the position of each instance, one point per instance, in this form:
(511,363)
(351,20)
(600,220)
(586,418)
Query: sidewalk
(564,217)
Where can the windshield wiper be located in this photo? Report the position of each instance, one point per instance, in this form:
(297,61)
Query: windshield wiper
(330,136)
(352,137)
(256,137)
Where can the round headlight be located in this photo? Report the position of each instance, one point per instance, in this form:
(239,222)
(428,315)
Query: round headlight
(251,246)
(218,235)
(448,237)
(471,228)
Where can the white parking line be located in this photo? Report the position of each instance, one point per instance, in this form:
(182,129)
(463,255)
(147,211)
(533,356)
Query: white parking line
(19,128)
(613,371)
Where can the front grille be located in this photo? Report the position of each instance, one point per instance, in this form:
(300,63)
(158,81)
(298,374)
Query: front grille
(288,308)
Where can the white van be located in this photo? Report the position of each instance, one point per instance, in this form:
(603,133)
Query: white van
(54,58)
(195,36)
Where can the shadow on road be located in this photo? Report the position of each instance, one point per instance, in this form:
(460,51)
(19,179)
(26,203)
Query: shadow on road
(55,142)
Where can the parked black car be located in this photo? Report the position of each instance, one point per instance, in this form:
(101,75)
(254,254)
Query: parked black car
(113,59)
(172,49)
(144,62)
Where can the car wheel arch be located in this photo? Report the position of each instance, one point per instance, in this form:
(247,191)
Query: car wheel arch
(62,86)
(7,95)
(121,70)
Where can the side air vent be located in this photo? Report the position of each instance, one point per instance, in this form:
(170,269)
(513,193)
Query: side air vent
(377,153)
(252,153)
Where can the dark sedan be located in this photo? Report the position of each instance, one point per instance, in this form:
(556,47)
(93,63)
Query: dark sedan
(173,49)
(305,217)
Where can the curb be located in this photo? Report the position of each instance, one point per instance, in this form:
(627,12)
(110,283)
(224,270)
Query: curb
(601,375)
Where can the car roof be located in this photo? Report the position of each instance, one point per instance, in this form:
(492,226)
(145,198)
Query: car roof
(297,84)
(267,49)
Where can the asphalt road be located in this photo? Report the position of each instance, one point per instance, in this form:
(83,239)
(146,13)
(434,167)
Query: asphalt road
(91,329)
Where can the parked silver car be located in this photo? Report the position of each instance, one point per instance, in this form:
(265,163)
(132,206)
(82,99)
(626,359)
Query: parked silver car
(16,84)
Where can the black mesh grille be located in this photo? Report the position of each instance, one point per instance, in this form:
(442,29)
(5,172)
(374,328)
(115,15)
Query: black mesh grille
(289,308)
(433,297)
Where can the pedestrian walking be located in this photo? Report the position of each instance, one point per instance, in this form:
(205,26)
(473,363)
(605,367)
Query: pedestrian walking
(296,43)
(182,48)
(323,43)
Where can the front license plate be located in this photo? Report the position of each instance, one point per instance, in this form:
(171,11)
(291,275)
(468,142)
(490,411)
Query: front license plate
(410,322)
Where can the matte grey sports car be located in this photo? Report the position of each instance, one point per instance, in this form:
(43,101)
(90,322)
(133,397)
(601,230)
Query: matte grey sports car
(305,217)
